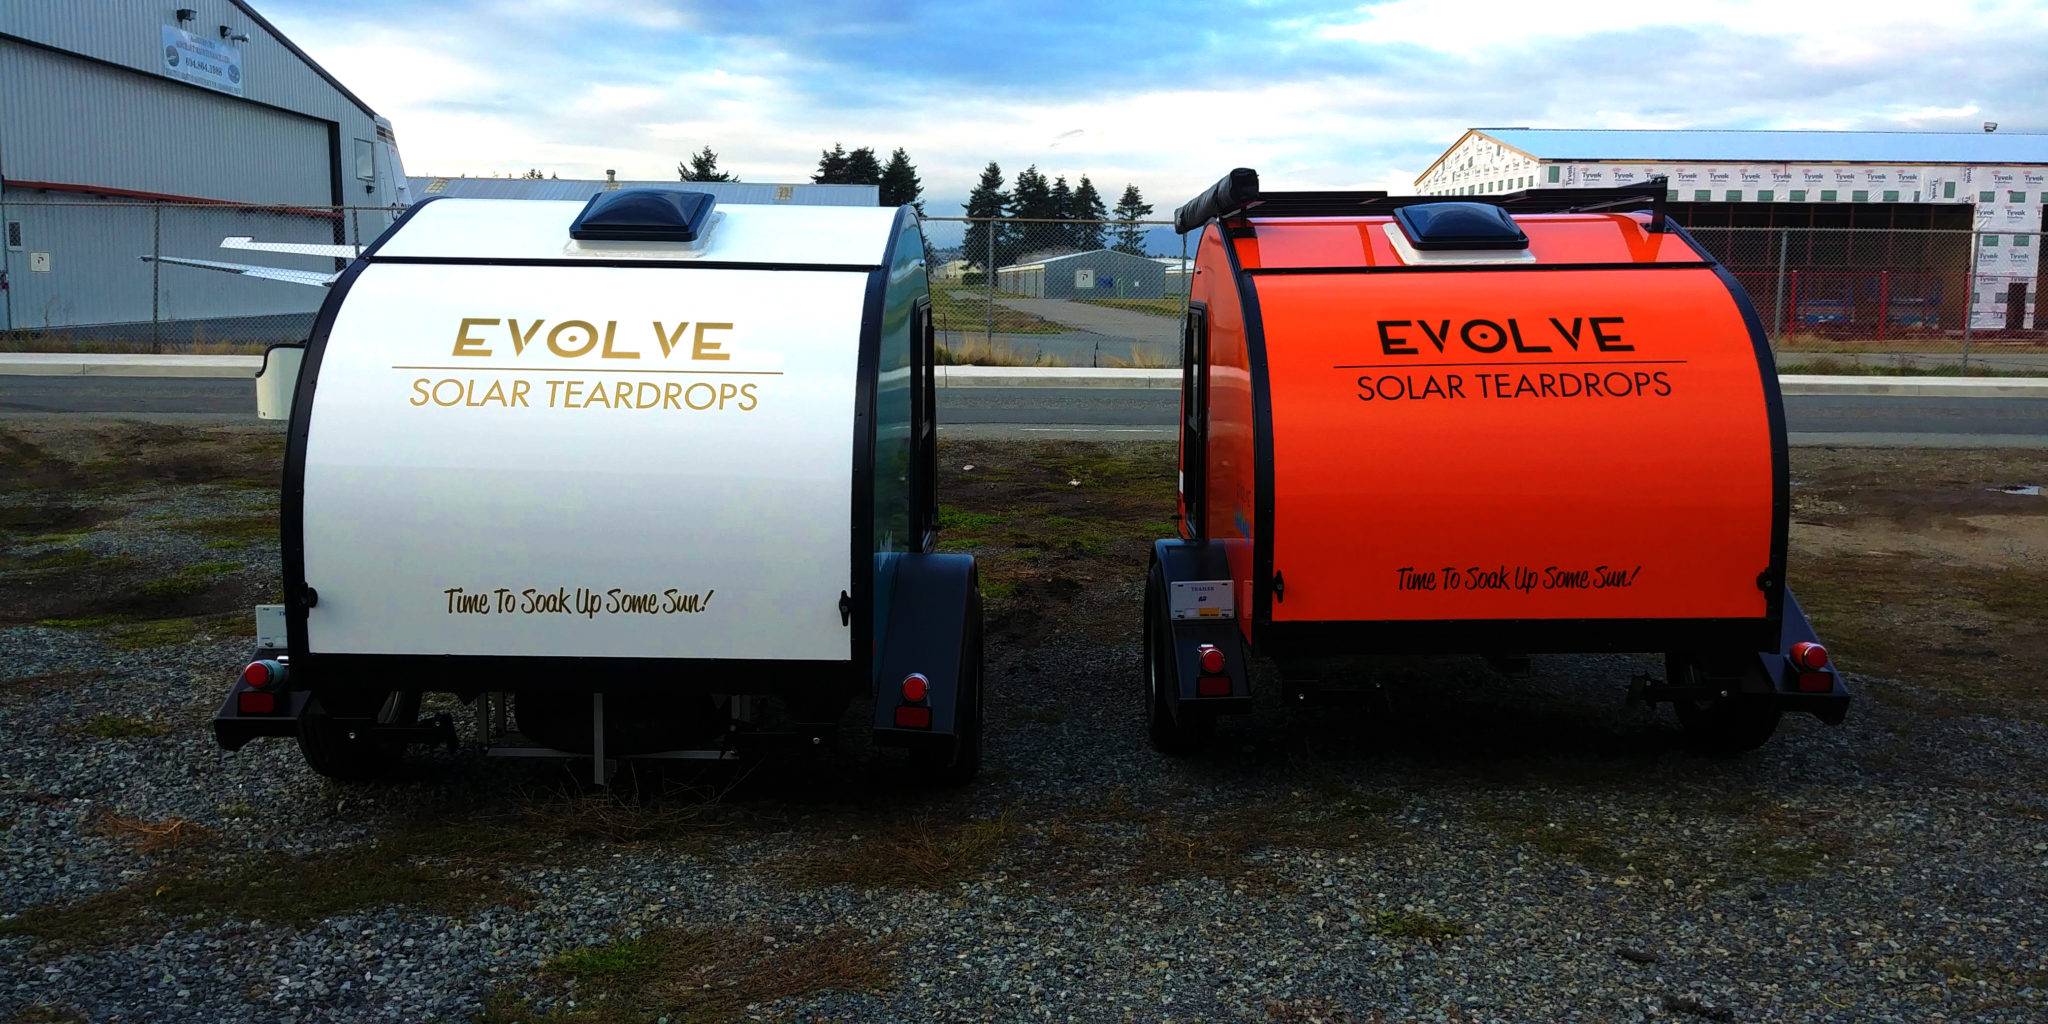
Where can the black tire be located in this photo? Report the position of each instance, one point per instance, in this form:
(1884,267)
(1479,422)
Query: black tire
(1176,737)
(330,749)
(943,767)
(1720,724)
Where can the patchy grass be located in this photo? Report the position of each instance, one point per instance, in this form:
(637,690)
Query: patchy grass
(981,352)
(229,532)
(442,870)
(185,581)
(696,974)
(1831,367)
(61,341)
(121,727)
(920,853)
(969,311)
(1734,844)
(1913,566)
(20,687)
(154,836)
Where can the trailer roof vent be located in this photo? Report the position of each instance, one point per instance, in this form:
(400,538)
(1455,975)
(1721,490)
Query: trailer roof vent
(643,215)
(1450,226)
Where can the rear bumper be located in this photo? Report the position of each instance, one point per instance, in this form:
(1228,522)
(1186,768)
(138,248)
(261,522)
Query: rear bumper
(232,729)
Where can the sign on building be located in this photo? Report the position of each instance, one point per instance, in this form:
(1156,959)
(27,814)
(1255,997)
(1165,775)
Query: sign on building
(202,61)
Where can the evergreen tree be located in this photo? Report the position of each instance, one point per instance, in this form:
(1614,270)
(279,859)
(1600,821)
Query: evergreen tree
(1129,234)
(900,184)
(703,167)
(988,200)
(532,173)
(1086,207)
(831,166)
(1061,199)
(862,168)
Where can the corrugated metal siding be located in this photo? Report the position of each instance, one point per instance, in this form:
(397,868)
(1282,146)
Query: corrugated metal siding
(97,276)
(74,122)
(580,189)
(127,32)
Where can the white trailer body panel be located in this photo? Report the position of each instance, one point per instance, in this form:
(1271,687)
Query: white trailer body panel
(585,493)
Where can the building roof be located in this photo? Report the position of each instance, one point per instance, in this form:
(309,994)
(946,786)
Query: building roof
(1033,262)
(581,189)
(1774,146)
(264,24)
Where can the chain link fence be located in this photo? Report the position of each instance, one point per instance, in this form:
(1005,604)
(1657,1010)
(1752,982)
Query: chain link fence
(1058,293)
(1018,292)
(76,278)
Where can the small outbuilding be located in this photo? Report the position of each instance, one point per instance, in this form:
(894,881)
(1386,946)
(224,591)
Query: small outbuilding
(1097,274)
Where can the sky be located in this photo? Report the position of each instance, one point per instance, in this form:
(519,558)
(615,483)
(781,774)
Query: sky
(1166,95)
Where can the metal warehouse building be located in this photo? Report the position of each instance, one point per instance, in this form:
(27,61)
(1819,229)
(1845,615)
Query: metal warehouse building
(1884,230)
(1100,274)
(131,126)
(580,189)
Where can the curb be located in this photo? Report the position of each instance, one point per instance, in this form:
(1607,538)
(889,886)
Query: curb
(65,364)
(60,364)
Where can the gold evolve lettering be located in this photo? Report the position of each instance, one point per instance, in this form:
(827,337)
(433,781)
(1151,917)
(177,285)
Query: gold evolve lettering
(570,339)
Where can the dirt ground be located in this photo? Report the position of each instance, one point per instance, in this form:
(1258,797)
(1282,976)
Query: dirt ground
(1479,848)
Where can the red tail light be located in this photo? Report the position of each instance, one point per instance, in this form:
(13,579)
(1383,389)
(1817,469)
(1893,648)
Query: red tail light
(908,717)
(1212,659)
(256,702)
(1810,656)
(258,675)
(915,688)
(1212,686)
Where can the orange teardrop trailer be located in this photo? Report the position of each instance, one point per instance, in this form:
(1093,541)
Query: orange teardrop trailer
(1533,423)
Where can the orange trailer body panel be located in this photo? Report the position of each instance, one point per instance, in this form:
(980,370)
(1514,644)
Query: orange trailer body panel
(1511,444)
(1588,431)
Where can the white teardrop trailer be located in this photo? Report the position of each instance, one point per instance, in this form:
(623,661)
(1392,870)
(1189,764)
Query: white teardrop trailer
(613,472)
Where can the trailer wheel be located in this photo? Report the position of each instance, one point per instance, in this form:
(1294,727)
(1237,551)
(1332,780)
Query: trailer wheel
(330,749)
(1729,722)
(957,767)
(1174,736)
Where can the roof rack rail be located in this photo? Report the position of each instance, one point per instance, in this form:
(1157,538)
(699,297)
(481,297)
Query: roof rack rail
(1238,193)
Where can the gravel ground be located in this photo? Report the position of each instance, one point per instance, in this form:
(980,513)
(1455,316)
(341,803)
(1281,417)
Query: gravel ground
(1473,848)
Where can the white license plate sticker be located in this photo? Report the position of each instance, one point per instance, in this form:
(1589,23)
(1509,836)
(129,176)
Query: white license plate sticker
(1200,599)
(270,633)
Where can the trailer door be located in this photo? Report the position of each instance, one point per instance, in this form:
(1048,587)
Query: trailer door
(595,461)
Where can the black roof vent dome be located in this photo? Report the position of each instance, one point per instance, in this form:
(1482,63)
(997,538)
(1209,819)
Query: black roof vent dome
(643,215)
(1453,226)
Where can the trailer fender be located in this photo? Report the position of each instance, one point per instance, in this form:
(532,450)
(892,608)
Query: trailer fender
(931,603)
(1197,562)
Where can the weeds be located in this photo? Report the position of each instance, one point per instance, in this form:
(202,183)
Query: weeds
(122,727)
(916,854)
(154,836)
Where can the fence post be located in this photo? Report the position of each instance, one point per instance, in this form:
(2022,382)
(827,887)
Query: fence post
(1970,296)
(989,282)
(1884,301)
(1778,296)
(355,225)
(156,275)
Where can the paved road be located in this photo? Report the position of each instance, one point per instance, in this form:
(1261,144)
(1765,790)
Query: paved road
(1104,413)
(1087,316)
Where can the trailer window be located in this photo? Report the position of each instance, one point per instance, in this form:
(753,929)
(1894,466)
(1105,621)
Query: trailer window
(1194,420)
(366,161)
(924,427)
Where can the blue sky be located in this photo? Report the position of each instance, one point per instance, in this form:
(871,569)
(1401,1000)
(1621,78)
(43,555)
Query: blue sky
(1167,95)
